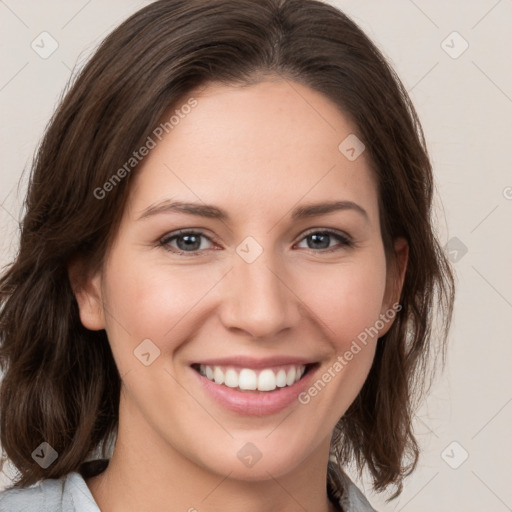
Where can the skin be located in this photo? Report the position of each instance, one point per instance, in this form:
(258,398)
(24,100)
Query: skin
(257,152)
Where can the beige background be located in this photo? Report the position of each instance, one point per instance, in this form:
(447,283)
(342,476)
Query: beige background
(465,104)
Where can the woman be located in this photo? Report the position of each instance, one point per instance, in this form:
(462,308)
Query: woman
(227,271)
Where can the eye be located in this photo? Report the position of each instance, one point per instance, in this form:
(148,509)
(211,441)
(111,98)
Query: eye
(190,242)
(185,242)
(321,239)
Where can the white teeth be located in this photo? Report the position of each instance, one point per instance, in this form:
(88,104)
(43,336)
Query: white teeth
(231,379)
(218,375)
(267,381)
(281,379)
(290,377)
(248,379)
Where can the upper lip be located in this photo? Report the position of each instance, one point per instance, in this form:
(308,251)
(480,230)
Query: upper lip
(252,362)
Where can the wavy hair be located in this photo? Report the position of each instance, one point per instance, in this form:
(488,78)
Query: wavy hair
(60,382)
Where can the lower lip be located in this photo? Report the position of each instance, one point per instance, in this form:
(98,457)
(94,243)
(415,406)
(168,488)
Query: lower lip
(256,403)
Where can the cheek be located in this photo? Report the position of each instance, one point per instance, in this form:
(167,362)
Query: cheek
(348,299)
(348,302)
(152,302)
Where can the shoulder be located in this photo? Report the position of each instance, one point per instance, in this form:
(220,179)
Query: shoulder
(66,494)
(39,497)
(348,496)
(355,500)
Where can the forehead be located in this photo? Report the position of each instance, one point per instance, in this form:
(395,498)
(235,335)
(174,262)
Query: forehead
(265,145)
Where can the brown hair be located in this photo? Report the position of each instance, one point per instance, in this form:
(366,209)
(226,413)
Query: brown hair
(61,384)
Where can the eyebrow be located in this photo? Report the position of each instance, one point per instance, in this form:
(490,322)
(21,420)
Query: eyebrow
(213,212)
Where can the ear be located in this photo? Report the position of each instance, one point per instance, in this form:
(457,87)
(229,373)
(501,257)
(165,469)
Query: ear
(87,290)
(394,283)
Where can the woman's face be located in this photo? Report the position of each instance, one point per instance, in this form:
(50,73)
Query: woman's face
(275,281)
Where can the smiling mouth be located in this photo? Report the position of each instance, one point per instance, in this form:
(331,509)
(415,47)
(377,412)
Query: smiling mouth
(254,380)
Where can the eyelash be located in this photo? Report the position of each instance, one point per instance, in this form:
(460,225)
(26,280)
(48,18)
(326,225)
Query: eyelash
(345,241)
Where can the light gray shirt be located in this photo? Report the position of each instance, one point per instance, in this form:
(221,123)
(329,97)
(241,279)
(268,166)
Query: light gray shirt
(71,494)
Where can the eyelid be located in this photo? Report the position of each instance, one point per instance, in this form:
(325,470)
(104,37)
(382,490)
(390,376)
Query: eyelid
(345,236)
(166,239)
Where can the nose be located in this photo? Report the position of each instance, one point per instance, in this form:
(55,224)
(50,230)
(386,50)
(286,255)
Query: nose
(258,298)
